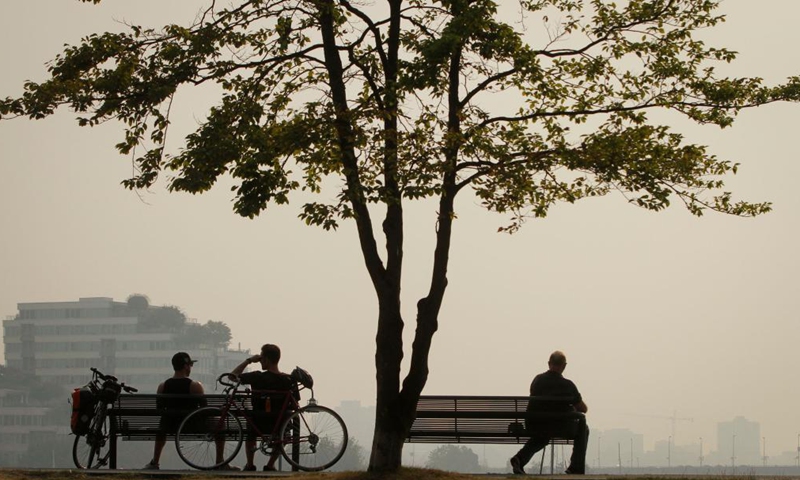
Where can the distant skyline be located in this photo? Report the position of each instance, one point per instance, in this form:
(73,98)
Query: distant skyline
(659,314)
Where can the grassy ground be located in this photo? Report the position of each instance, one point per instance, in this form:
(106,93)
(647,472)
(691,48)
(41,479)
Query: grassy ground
(403,474)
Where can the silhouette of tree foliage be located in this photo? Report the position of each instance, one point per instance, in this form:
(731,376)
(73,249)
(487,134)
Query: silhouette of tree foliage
(213,334)
(162,319)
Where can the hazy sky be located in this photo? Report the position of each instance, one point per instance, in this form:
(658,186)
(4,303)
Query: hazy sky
(658,313)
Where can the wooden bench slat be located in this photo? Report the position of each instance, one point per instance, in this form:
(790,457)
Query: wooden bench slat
(480,419)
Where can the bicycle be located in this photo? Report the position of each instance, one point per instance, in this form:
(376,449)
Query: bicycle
(91,449)
(310,438)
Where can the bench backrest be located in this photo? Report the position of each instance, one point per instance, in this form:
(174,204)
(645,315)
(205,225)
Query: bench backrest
(480,419)
(138,415)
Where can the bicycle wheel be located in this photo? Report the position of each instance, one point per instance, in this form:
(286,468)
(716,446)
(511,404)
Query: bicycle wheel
(92,449)
(314,438)
(209,438)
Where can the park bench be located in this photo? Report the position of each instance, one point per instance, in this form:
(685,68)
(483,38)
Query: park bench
(136,417)
(484,420)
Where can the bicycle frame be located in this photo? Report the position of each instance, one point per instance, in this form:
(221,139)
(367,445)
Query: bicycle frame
(310,438)
(92,449)
(290,404)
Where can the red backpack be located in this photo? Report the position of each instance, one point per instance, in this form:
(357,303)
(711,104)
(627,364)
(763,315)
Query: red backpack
(83,403)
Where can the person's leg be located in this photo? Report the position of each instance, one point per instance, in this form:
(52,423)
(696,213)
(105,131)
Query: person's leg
(158,447)
(273,457)
(577,463)
(533,445)
(250,452)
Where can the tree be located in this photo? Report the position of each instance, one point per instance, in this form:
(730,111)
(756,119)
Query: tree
(213,334)
(454,458)
(162,319)
(219,333)
(418,99)
(138,303)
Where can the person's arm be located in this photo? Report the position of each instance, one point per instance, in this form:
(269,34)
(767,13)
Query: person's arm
(160,401)
(240,368)
(196,388)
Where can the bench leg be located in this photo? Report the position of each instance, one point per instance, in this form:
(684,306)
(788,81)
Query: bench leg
(112,451)
(541,465)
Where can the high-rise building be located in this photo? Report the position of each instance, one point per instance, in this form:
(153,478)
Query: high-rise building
(59,341)
(739,441)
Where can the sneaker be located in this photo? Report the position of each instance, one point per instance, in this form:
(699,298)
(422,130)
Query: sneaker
(228,467)
(150,466)
(571,471)
(249,468)
(516,467)
(267,468)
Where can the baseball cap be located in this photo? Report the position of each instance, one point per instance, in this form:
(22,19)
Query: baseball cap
(181,359)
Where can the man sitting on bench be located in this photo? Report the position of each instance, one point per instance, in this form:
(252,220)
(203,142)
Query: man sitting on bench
(178,384)
(553,384)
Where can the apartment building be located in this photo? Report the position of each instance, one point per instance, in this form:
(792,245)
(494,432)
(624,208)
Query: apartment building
(59,341)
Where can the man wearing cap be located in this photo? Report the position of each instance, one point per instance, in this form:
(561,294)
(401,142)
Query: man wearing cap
(179,384)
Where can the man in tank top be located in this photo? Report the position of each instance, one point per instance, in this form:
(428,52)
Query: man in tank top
(179,384)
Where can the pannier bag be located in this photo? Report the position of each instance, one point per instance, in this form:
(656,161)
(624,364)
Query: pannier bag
(82,410)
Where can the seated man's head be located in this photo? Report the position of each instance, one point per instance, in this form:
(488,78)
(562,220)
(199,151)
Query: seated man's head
(182,362)
(270,355)
(557,362)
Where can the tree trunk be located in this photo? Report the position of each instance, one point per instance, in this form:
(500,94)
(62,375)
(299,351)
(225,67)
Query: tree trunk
(390,431)
(395,409)
(387,443)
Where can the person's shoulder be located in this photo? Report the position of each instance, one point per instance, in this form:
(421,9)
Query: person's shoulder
(250,375)
(279,375)
(283,380)
(541,376)
(571,384)
(196,388)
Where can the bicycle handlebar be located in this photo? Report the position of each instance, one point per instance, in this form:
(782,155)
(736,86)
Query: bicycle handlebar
(229,380)
(102,376)
(112,378)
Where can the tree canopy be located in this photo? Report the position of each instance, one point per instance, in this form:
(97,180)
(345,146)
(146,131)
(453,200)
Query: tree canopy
(380,103)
